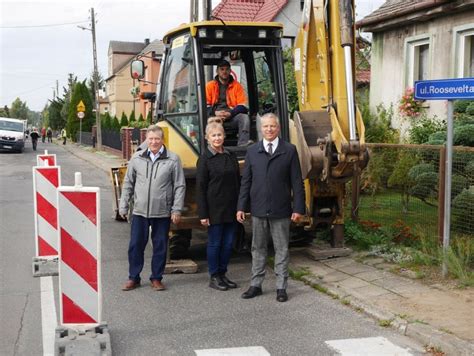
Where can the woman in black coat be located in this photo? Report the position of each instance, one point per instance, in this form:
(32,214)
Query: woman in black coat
(218,181)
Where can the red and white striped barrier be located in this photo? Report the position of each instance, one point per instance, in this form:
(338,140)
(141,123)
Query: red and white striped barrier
(79,255)
(46,157)
(45,182)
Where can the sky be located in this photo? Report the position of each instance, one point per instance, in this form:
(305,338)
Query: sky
(40,42)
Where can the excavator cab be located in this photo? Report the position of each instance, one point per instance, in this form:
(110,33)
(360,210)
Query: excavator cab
(190,61)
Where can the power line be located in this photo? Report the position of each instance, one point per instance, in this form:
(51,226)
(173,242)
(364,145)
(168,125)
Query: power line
(46,25)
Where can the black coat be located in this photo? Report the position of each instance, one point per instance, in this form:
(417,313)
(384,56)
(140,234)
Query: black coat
(218,181)
(272,185)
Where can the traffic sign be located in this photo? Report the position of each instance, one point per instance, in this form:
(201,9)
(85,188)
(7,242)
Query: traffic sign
(81,114)
(445,89)
(81,107)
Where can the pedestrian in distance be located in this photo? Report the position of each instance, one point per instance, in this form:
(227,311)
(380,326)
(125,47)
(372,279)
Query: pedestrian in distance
(34,138)
(43,134)
(49,135)
(272,186)
(226,99)
(218,180)
(155,179)
(64,135)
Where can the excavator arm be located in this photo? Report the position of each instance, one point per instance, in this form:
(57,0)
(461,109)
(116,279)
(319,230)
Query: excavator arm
(330,134)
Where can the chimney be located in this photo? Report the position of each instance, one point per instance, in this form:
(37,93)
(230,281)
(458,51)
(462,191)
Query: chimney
(147,41)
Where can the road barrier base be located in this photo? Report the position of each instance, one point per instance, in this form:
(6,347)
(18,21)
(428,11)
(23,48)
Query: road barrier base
(317,254)
(43,267)
(92,341)
(181,266)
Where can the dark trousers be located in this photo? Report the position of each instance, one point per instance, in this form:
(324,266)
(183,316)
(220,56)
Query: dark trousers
(219,246)
(140,230)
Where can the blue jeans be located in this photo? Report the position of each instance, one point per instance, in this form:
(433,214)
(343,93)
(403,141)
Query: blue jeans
(140,230)
(219,247)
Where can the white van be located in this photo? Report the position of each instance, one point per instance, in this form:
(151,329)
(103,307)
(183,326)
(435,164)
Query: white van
(12,134)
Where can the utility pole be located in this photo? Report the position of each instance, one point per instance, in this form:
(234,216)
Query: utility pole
(96,84)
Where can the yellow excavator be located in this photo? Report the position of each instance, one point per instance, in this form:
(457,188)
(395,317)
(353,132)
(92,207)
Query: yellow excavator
(327,129)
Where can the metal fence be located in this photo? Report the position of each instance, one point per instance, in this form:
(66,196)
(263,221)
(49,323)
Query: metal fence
(84,138)
(404,186)
(112,139)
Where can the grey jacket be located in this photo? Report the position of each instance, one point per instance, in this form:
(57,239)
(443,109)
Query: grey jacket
(158,187)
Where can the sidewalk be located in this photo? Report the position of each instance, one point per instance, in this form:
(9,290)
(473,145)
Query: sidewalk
(434,315)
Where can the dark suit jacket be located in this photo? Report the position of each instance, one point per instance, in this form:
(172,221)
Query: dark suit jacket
(272,185)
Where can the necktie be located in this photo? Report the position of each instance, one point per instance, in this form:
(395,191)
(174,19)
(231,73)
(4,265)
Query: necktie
(270,148)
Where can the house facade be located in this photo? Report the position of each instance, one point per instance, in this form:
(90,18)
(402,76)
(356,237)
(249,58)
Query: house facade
(119,82)
(418,40)
(287,12)
(151,55)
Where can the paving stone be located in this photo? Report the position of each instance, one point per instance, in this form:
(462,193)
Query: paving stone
(374,261)
(397,285)
(372,275)
(353,283)
(338,262)
(370,291)
(355,268)
(335,276)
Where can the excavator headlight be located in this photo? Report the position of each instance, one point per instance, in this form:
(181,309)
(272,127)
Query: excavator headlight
(219,33)
(262,33)
(202,32)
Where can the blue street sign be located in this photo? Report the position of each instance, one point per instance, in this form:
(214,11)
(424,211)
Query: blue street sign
(444,89)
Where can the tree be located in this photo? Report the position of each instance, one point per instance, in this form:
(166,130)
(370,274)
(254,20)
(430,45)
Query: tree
(148,117)
(140,118)
(56,120)
(292,92)
(115,124)
(123,120)
(90,85)
(5,111)
(80,93)
(132,117)
(19,110)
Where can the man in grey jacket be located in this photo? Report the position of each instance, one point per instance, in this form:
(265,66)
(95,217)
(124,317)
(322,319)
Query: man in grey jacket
(155,178)
(273,187)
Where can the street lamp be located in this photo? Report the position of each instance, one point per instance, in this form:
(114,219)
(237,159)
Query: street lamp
(96,79)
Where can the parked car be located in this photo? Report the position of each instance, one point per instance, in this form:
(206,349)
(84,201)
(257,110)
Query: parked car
(12,134)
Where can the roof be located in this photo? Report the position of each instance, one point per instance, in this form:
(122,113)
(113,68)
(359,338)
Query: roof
(363,77)
(396,13)
(126,47)
(155,46)
(249,10)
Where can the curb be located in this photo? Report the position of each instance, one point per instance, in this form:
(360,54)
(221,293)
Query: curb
(424,334)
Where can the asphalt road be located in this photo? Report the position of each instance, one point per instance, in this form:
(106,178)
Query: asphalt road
(188,316)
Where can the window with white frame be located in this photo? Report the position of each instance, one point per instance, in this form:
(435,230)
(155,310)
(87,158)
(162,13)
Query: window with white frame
(464,51)
(417,59)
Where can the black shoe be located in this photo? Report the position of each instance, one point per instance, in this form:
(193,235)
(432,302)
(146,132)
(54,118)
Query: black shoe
(252,292)
(228,282)
(217,283)
(281,295)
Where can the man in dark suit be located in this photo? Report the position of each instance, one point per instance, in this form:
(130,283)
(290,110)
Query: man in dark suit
(273,187)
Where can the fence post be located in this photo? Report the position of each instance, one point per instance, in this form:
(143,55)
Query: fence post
(441,192)
(127,142)
(142,136)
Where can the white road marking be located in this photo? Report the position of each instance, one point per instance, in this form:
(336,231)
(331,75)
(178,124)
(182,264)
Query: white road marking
(48,315)
(234,351)
(370,346)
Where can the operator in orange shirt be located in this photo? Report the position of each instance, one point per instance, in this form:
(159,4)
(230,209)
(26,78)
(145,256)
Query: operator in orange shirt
(227,100)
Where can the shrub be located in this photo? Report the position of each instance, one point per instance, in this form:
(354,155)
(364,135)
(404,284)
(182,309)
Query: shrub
(132,116)
(460,106)
(464,135)
(378,126)
(470,109)
(409,107)
(463,211)
(140,118)
(437,138)
(421,130)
